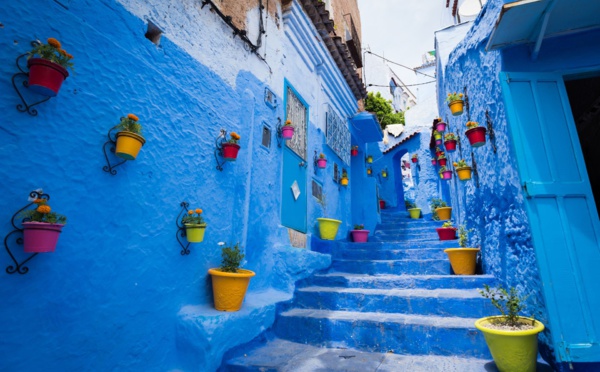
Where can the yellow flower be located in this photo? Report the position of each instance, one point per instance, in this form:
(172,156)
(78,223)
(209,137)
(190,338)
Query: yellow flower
(132,117)
(199,211)
(455,164)
(43,209)
(55,43)
(190,212)
(460,95)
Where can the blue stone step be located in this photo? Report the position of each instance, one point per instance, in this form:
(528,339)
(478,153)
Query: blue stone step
(408,228)
(392,266)
(413,243)
(382,332)
(406,235)
(286,356)
(334,248)
(390,254)
(440,302)
(351,280)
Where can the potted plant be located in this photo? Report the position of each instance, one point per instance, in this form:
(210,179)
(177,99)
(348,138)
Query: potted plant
(229,282)
(194,225)
(455,103)
(447,231)
(511,338)
(440,209)
(433,161)
(328,227)
(475,134)
(462,169)
(344,179)
(412,209)
(381,204)
(41,227)
(438,137)
(354,151)
(414,158)
(359,234)
(445,173)
(231,147)
(48,65)
(287,131)
(450,142)
(440,126)
(369,171)
(438,151)
(129,137)
(321,161)
(369,159)
(442,159)
(463,260)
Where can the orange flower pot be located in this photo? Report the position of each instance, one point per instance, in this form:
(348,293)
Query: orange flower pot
(464,173)
(463,260)
(456,107)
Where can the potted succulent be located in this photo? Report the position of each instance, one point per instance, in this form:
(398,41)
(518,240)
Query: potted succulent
(475,134)
(440,209)
(455,103)
(412,209)
(447,231)
(344,178)
(354,151)
(462,169)
(194,225)
(359,234)
(287,131)
(445,173)
(229,282)
(442,159)
(414,158)
(463,260)
(41,227)
(48,64)
(450,142)
(328,227)
(231,147)
(129,137)
(438,137)
(440,126)
(511,338)
(369,159)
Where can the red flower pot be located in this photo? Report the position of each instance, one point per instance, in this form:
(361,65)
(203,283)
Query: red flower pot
(442,162)
(360,236)
(40,236)
(433,162)
(414,160)
(321,163)
(440,127)
(287,132)
(447,175)
(45,77)
(446,233)
(382,204)
(476,136)
(230,151)
(450,145)
(437,154)
(354,152)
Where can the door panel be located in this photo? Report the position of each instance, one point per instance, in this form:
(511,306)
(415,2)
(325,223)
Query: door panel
(562,213)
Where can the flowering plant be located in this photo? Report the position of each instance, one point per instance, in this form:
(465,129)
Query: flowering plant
(449,137)
(415,156)
(454,97)
(321,156)
(130,124)
(355,147)
(344,173)
(449,224)
(443,169)
(436,133)
(288,123)
(359,227)
(42,213)
(52,52)
(472,124)
(231,258)
(442,155)
(234,137)
(438,149)
(193,217)
(460,164)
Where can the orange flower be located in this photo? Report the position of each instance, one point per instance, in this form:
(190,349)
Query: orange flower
(132,117)
(199,211)
(288,122)
(235,136)
(190,212)
(39,201)
(69,55)
(455,164)
(43,209)
(63,52)
(55,43)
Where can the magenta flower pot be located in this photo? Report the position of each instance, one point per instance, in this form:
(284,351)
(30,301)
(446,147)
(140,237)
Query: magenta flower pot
(40,236)
(321,163)
(440,127)
(360,236)
(446,233)
(476,136)
(287,132)
(433,162)
(447,175)
(450,145)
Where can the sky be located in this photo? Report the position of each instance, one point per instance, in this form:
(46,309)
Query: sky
(402,30)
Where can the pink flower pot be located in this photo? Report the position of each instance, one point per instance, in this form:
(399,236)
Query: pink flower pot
(440,127)
(230,151)
(446,233)
(321,163)
(40,236)
(360,236)
(45,77)
(450,145)
(433,162)
(447,175)
(287,132)
(476,136)
(438,142)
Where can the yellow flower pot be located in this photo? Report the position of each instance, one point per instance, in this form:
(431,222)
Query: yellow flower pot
(129,145)
(195,232)
(328,228)
(463,260)
(344,181)
(464,173)
(514,351)
(369,159)
(229,289)
(456,107)
(415,212)
(444,213)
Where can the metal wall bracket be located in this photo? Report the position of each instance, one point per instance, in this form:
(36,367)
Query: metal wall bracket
(279,132)
(490,130)
(475,172)
(17,233)
(467,104)
(23,76)
(219,149)
(181,229)
(111,143)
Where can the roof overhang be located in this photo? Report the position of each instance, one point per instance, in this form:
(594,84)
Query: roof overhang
(366,127)
(532,21)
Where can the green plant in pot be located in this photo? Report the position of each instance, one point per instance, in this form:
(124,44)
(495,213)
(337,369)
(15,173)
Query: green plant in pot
(412,209)
(328,227)
(129,137)
(229,281)
(511,338)
(463,260)
(359,234)
(440,211)
(41,226)
(194,225)
(48,64)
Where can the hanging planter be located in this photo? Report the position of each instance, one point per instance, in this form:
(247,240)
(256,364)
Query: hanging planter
(438,137)
(370,159)
(369,171)
(447,231)
(321,161)
(462,170)
(328,228)
(475,134)
(455,103)
(344,178)
(445,173)
(433,162)
(381,204)
(359,234)
(354,151)
(194,226)
(49,70)
(229,282)
(287,131)
(438,151)
(42,229)
(450,142)
(440,126)
(129,138)
(414,158)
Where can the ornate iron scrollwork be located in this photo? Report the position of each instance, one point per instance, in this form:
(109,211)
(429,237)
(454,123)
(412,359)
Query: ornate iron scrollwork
(23,75)
(111,143)
(181,233)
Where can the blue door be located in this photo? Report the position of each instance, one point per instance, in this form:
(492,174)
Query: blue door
(293,188)
(562,213)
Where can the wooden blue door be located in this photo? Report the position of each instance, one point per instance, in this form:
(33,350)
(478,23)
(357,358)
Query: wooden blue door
(561,209)
(294,188)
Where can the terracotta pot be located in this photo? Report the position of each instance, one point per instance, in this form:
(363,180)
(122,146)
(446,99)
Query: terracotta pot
(456,107)
(287,132)
(446,233)
(230,151)
(45,77)
(40,236)
(476,136)
(450,145)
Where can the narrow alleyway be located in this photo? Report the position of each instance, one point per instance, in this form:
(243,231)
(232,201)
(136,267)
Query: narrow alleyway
(387,305)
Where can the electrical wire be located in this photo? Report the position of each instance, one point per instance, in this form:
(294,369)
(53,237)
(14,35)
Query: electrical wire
(399,64)
(403,85)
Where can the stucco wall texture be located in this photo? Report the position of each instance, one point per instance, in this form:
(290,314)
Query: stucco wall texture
(117,294)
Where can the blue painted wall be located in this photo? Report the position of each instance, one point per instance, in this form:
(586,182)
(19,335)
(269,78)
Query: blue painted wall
(117,295)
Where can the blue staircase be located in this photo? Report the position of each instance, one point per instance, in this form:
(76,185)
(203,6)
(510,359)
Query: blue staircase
(389,302)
